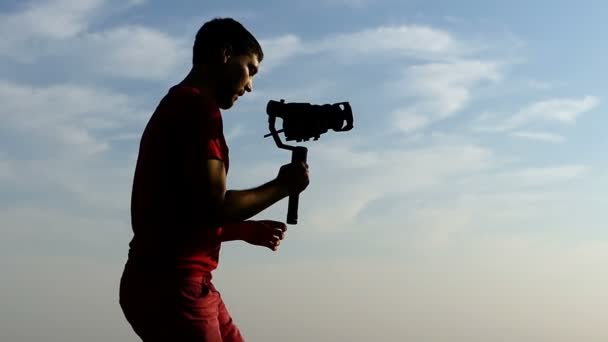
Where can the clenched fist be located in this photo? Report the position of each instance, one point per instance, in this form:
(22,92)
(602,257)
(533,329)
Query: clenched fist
(293,177)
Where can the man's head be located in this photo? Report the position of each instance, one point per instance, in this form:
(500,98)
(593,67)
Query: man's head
(230,55)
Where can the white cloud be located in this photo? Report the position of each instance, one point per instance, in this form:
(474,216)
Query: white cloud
(235,132)
(484,203)
(539,136)
(131,3)
(349,3)
(438,90)
(38,108)
(447,86)
(445,187)
(358,178)
(557,110)
(57,140)
(33,30)
(383,42)
(135,52)
(396,41)
(346,180)
(54,19)
(545,175)
(408,121)
(278,50)
(60,32)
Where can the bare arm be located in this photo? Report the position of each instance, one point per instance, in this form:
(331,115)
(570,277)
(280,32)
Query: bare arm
(239,205)
(229,207)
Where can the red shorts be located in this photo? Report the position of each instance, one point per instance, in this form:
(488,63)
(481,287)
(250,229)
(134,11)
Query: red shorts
(179,306)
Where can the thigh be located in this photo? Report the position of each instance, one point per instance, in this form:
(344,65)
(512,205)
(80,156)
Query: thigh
(195,316)
(230,332)
(182,309)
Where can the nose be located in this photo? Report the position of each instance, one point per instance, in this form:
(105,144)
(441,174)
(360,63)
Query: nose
(249,86)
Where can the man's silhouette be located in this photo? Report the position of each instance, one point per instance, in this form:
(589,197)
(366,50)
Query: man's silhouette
(180,209)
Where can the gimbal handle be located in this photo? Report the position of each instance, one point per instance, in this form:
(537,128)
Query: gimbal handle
(298,155)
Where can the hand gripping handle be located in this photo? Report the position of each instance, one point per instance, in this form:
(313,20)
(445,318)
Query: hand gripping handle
(298,154)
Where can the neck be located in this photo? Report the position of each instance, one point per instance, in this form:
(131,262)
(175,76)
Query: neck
(199,77)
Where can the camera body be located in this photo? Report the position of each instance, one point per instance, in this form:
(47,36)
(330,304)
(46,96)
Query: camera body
(305,121)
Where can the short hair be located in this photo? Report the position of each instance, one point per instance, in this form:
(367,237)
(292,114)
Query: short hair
(221,32)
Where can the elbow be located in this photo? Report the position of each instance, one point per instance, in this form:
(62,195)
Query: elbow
(221,211)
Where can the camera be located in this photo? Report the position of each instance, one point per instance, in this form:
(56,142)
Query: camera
(305,121)
(302,122)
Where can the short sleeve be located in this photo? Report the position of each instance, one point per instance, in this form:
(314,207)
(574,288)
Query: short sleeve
(211,140)
(199,130)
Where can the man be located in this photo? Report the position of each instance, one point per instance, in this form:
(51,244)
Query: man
(181,211)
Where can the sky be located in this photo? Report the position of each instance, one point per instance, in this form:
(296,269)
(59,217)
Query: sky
(467,204)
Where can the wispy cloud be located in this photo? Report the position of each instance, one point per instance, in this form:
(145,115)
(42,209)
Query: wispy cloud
(37,108)
(557,110)
(52,19)
(416,41)
(349,3)
(358,178)
(438,90)
(383,42)
(32,29)
(279,50)
(544,175)
(60,31)
(440,75)
(56,138)
(235,132)
(135,52)
(539,136)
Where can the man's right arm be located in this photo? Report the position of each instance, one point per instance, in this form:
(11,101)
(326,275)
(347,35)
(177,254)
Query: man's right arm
(228,206)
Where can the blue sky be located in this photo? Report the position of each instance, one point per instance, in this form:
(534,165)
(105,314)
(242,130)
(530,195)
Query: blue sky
(468,203)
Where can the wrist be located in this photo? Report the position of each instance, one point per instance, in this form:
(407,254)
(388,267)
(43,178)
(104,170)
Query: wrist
(280,188)
(234,231)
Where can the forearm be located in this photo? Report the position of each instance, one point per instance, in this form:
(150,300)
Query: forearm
(228,210)
(240,205)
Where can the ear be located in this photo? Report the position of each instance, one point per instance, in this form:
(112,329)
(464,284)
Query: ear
(226,53)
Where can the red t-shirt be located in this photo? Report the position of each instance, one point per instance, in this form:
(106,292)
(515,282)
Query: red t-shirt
(169,209)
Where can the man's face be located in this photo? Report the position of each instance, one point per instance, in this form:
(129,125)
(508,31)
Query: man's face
(236,78)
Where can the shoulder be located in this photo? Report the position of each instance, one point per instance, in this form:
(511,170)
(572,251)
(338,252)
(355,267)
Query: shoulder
(194,114)
(188,108)
(193,99)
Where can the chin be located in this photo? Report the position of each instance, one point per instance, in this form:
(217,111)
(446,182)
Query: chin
(226,105)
